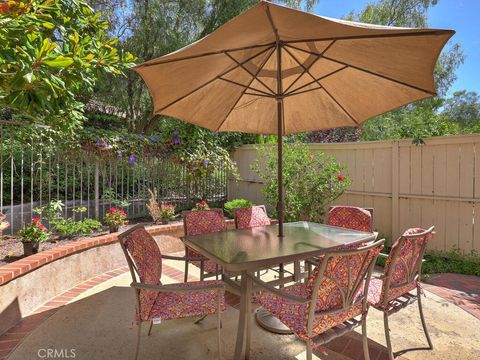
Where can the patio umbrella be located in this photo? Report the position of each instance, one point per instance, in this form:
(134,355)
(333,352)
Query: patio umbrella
(276,70)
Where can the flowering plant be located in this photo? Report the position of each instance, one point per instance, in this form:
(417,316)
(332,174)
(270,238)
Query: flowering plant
(167,211)
(34,232)
(115,217)
(202,205)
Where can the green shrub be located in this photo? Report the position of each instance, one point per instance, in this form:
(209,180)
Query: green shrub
(453,261)
(70,227)
(236,204)
(312,180)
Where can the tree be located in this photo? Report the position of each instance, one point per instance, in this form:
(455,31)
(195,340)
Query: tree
(53,52)
(463,106)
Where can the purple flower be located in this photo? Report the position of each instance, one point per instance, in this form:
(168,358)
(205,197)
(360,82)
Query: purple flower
(176,132)
(99,143)
(152,138)
(119,154)
(131,160)
(176,140)
(205,162)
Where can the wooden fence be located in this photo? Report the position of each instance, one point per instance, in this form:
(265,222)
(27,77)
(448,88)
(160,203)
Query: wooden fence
(407,185)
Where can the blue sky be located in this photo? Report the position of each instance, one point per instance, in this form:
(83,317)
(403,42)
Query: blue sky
(459,15)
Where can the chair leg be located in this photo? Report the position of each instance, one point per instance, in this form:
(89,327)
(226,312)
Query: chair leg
(200,319)
(387,336)
(201,269)
(309,350)
(219,325)
(366,353)
(185,277)
(139,333)
(424,324)
(150,329)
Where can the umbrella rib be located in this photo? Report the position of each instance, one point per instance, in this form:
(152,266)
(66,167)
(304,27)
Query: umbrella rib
(341,106)
(245,89)
(374,36)
(272,24)
(303,91)
(368,71)
(212,80)
(304,68)
(203,55)
(247,86)
(255,76)
(318,56)
(294,92)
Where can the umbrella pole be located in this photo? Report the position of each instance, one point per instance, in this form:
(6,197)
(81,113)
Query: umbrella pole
(281,199)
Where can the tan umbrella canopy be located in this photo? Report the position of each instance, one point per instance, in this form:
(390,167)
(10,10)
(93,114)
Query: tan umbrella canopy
(275,70)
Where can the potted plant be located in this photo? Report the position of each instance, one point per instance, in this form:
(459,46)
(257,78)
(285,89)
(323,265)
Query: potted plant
(32,235)
(167,212)
(114,218)
(202,205)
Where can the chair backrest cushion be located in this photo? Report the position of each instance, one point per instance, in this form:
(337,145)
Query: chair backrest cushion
(147,258)
(251,217)
(405,259)
(203,222)
(350,217)
(341,283)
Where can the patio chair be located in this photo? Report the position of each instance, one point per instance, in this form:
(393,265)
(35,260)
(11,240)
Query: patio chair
(351,217)
(328,304)
(251,217)
(391,291)
(348,217)
(198,223)
(164,302)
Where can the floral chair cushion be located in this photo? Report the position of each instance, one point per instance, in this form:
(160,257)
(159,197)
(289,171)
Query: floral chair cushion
(203,222)
(402,275)
(251,217)
(147,257)
(350,217)
(375,289)
(174,305)
(333,284)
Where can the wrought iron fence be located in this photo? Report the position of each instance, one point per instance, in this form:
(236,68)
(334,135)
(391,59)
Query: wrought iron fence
(32,175)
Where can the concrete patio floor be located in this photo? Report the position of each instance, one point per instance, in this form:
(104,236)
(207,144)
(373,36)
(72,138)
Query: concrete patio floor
(98,324)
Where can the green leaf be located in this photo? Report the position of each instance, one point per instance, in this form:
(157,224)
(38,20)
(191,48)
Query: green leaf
(59,61)
(48,25)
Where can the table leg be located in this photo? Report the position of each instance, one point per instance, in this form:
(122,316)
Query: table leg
(242,347)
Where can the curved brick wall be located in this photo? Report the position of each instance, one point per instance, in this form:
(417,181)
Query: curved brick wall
(28,283)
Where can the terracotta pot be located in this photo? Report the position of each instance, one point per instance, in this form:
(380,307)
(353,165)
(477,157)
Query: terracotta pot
(165,221)
(113,228)
(30,248)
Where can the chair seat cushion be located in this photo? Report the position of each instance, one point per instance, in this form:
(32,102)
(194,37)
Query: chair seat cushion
(174,305)
(375,292)
(294,314)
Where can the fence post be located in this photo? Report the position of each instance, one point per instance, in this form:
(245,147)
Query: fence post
(395,189)
(97,189)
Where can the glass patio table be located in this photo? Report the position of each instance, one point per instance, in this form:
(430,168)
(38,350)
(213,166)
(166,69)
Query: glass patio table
(248,250)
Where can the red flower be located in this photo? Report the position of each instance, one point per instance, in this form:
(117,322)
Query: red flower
(36,234)
(36,220)
(41,227)
(203,202)
(340,177)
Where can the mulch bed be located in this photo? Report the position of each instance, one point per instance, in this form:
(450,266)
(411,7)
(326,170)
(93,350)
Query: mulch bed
(11,248)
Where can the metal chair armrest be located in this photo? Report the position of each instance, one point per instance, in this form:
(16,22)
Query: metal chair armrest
(280,293)
(176,288)
(383,255)
(170,257)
